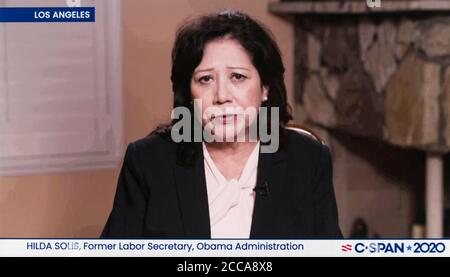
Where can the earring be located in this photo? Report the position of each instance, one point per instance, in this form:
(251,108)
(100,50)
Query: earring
(264,98)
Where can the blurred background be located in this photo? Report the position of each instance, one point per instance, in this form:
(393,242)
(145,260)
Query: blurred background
(373,81)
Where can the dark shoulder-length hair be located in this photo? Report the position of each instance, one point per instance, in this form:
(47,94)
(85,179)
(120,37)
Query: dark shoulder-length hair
(187,53)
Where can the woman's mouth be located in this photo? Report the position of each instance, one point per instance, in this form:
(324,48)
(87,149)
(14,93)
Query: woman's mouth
(224,119)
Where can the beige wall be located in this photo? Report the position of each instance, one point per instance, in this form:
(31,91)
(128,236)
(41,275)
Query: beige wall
(77,204)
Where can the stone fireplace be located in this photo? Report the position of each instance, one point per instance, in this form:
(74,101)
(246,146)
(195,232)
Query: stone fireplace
(375,83)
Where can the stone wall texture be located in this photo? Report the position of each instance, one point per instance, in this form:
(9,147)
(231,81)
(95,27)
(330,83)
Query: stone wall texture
(384,77)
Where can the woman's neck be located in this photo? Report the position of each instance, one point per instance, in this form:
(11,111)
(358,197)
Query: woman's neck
(230,157)
(230,148)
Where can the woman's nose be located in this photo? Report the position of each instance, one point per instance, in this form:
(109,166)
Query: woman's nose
(223,94)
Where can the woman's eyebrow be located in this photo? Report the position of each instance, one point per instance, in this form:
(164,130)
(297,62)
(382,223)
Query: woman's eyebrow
(203,70)
(238,67)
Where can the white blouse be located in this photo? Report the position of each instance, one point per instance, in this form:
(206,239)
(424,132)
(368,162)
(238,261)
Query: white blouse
(231,201)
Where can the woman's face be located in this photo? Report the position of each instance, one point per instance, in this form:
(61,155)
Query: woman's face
(228,87)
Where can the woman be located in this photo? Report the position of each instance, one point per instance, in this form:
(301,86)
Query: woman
(223,185)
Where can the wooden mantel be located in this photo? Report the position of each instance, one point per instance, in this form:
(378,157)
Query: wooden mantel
(358,7)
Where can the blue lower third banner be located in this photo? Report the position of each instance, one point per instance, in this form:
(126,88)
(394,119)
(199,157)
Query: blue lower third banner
(42,14)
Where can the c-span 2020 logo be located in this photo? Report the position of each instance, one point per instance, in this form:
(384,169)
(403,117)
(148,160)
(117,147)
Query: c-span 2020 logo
(394,247)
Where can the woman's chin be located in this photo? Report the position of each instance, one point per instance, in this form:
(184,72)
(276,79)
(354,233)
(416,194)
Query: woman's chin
(228,135)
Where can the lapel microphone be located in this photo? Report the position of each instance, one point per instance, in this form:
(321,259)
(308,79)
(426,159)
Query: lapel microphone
(262,189)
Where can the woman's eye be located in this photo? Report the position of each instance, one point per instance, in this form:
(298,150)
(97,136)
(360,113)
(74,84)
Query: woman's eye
(238,76)
(205,79)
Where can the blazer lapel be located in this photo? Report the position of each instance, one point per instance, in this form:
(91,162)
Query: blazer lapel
(193,198)
(269,191)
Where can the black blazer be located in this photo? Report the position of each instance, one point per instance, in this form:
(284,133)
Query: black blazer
(158,198)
